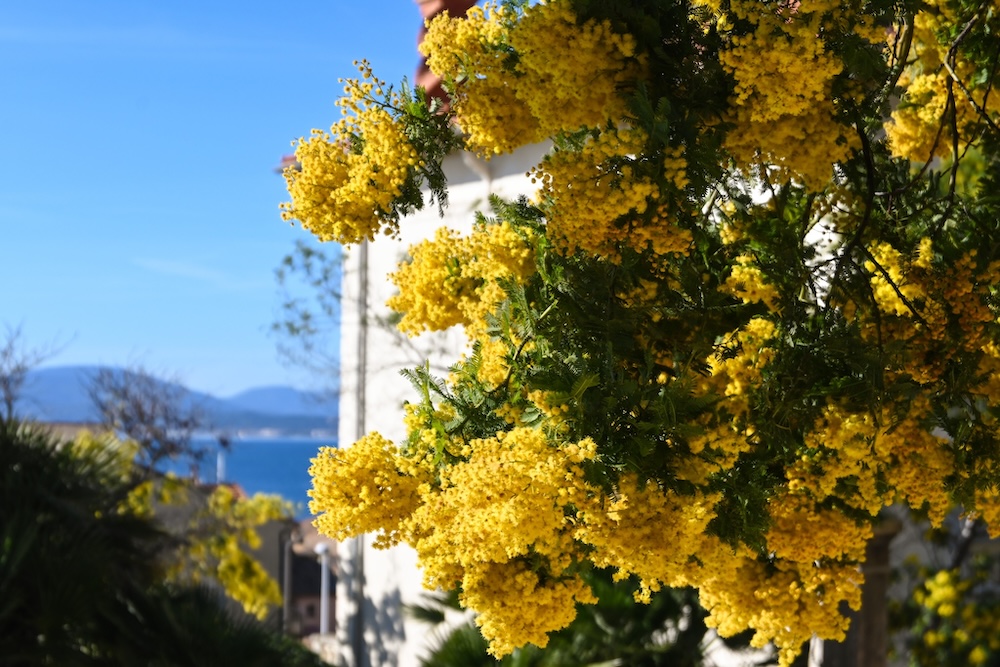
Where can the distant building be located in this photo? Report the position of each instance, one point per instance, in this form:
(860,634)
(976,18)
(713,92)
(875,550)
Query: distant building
(306,598)
(301,585)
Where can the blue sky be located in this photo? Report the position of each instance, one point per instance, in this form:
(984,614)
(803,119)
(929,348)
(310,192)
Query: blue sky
(138,203)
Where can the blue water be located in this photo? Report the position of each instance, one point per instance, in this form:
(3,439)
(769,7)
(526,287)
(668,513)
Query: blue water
(270,465)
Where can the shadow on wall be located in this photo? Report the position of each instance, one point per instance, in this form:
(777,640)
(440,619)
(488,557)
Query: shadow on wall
(386,634)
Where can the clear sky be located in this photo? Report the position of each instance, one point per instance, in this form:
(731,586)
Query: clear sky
(138,203)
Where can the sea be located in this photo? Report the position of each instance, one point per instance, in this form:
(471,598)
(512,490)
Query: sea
(276,465)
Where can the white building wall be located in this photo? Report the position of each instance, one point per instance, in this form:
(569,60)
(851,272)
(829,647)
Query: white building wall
(372,354)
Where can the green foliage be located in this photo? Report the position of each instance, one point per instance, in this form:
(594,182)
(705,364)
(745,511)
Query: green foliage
(431,133)
(68,559)
(174,627)
(82,582)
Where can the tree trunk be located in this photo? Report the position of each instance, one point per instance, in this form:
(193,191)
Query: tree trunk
(867,643)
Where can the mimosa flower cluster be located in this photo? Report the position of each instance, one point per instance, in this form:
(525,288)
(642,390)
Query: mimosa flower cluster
(347,181)
(453,280)
(741,314)
(217,544)
(955,617)
(565,77)
(783,110)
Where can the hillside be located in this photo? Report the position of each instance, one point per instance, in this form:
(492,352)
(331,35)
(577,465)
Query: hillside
(61,394)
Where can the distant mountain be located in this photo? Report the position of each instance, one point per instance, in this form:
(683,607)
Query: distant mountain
(284,401)
(58,394)
(61,394)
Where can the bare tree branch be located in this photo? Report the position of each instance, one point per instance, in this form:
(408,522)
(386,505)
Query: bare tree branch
(158,415)
(16,361)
